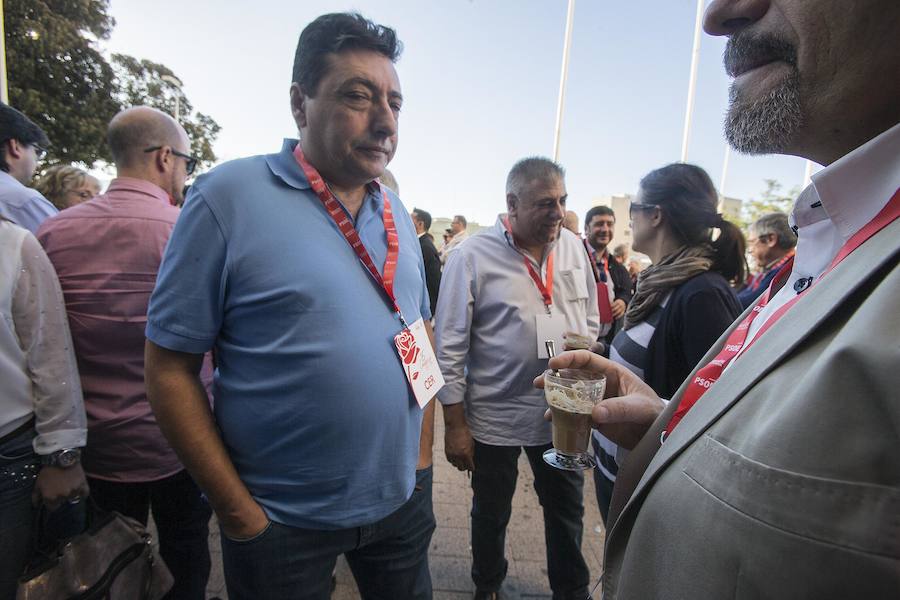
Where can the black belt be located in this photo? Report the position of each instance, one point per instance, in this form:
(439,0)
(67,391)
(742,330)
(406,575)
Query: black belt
(29,424)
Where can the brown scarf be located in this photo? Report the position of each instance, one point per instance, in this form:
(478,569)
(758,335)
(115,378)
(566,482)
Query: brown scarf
(657,280)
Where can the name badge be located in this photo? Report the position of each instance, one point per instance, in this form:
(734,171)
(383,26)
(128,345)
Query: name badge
(549,327)
(419,362)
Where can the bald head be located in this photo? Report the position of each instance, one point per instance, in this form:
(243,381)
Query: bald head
(571,222)
(135,129)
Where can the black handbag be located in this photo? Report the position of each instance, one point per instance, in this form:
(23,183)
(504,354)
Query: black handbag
(113,559)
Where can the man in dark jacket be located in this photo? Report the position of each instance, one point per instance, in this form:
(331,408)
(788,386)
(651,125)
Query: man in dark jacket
(616,291)
(422,220)
(771,242)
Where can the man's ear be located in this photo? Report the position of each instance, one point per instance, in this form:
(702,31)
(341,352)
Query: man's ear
(298,105)
(162,158)
(512,203)
(14,148)
(771,241)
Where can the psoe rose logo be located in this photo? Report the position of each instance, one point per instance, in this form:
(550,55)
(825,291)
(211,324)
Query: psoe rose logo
(406,344)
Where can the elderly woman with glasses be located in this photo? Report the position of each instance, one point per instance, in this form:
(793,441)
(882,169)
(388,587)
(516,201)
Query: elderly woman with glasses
(685,299)
(67,186)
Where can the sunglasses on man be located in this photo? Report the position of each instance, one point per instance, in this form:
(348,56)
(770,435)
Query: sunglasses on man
(191,160)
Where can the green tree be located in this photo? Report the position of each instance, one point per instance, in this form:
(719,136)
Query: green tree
(144,82)
(770,200)
(59,78)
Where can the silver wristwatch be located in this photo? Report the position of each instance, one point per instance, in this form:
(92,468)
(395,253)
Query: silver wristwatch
(63,459)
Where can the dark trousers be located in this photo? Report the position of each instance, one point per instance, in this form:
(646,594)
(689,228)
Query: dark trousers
(603,488)
(561,496)
(181,514)
(18,469)
(389,558)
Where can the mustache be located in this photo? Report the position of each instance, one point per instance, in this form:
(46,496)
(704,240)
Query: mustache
(745,51)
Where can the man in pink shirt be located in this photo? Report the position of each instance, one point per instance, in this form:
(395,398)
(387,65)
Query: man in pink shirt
(107,253)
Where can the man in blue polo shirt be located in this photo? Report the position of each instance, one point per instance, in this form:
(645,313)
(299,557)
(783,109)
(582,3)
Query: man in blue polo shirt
(313,445)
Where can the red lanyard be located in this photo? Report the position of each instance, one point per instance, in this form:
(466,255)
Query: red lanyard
(546,290)
(708,375)
(350,234)
(758,279)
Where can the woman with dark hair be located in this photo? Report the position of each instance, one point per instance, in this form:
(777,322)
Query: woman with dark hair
(685,299)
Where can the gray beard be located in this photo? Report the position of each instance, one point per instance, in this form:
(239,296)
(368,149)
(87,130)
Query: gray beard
(768,125)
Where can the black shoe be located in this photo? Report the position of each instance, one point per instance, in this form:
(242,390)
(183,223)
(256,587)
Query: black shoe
(483,595)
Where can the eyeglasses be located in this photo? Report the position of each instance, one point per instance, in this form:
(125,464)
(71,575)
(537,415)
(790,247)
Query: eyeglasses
(191,160)
(639,206)
(39,152)
(760,238)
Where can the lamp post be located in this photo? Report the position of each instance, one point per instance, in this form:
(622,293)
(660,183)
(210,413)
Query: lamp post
(692,82)
(4,92)
(174,81)
(570,14)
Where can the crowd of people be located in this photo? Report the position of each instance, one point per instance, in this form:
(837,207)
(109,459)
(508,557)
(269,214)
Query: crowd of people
(208,359)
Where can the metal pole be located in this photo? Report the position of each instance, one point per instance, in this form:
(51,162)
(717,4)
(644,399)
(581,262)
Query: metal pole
(4,92)
(562,80)
(724,169)
(807,174)
(692,82)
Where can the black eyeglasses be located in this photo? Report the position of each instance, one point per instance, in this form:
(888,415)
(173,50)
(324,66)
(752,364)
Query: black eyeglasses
(191,160)
(639,206)
(39,152)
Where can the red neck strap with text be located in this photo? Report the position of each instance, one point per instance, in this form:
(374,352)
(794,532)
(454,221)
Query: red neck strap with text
(546,290)
(352,236)
(708,375)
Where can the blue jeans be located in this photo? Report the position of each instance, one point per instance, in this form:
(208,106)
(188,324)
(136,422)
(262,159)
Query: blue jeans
(389,558)
(561,496)
(181,514)
(18,470)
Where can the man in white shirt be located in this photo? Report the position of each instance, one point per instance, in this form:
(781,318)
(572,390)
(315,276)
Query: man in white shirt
(458,228)
(774,472)
(22,146)
(504,292)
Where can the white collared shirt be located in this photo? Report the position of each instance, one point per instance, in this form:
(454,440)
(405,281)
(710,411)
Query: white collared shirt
(842,198)
(486,334)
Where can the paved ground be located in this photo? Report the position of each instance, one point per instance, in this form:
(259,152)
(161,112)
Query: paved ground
(450,555)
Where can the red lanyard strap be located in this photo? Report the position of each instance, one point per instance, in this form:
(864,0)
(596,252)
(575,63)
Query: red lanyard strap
(709,374)
(546,290)
(352,236)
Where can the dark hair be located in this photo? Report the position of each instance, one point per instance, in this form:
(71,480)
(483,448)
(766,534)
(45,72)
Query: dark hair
(688,200)
(598,211)
(461,219)
(337,32)
(424,216)
(16,126)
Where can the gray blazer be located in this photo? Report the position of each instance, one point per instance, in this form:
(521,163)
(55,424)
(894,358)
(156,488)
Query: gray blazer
(783,481)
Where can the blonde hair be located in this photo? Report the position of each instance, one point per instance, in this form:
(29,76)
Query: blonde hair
(58,180)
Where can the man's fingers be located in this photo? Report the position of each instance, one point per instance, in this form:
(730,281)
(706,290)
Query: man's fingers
(575,359)
(627,409)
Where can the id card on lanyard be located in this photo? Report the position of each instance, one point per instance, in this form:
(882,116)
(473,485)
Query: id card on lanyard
(736,342)
(552,324)
(413,346)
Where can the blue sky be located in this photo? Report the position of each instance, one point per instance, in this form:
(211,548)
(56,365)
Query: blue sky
(480,81)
